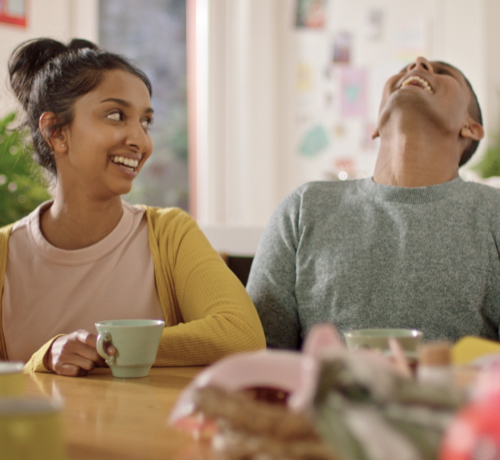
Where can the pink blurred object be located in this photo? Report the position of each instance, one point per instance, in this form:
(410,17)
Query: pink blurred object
(487,383)
(290,371)
(399,358)
(474,434)
(321,337)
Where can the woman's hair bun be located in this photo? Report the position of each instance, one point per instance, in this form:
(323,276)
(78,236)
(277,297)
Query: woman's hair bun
(79,43)
(27,60)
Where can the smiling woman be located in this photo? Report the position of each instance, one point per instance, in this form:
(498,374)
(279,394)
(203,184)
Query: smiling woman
(108,141)
(88,256)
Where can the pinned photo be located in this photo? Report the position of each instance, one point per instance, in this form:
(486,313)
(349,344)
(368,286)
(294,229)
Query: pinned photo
(310,14)
(353,92)
(374,24)
(342,48)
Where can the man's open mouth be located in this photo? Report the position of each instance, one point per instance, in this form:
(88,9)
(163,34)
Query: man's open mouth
(415,80)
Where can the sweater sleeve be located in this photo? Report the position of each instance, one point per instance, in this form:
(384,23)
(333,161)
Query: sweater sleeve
(271,282)
(208,312)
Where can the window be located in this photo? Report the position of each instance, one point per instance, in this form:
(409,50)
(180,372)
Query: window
(152,33)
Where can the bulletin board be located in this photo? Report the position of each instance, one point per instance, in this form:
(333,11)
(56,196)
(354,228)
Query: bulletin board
(13,12)
(341,69)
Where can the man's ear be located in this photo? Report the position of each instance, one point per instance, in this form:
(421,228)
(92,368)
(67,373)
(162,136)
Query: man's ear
(55,138)
(375,134)
(472,130)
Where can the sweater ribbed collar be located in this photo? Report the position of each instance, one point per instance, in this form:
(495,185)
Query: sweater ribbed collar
(411,194)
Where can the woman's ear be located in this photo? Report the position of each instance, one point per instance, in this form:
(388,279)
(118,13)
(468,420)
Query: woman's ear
(55,138)
(472,130)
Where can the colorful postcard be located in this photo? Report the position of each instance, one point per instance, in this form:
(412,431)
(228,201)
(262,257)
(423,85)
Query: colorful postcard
(314,141)
(304,80)
(342,48)
(310,14)
(374,24)
(353,92)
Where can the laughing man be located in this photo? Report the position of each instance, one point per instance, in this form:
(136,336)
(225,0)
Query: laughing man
(414,246)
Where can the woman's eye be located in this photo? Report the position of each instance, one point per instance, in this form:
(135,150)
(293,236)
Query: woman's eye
(117,116)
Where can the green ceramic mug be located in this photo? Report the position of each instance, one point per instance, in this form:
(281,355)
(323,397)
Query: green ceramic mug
(30,429)
(378,339)
(136,342)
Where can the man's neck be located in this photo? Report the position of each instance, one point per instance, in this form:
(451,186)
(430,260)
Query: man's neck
(415,158)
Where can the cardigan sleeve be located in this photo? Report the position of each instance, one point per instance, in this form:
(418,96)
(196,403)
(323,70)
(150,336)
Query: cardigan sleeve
(4,247)
(36,362)
(208,312)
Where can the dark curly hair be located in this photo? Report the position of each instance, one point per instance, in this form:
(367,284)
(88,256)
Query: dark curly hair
(48,76)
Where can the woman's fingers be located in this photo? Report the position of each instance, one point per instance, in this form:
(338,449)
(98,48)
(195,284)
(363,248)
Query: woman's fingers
(87,338)
(74,354)
(110,350)
(70,370)
(91,340)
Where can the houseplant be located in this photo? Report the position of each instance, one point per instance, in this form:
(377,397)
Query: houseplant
(21,180)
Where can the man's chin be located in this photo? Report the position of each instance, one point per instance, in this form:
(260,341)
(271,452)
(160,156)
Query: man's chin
(412,107)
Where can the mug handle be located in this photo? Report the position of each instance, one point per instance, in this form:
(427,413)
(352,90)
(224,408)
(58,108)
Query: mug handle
(101,338)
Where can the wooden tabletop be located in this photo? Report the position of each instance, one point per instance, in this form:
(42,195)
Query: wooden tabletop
(108,418)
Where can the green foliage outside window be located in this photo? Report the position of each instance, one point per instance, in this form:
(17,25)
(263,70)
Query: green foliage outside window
(21,180)
(489,165)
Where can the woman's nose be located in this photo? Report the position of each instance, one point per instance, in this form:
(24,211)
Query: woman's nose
(420,62)
(138,138)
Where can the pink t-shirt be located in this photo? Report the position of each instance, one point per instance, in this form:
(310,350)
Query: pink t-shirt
(49,291)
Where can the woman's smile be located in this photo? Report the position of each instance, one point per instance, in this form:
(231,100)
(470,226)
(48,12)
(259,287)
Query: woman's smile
(111,123)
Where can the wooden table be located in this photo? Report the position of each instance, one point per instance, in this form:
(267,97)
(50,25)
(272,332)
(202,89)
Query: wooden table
(108,418)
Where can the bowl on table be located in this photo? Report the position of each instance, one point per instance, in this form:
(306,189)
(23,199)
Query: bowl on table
(379,339)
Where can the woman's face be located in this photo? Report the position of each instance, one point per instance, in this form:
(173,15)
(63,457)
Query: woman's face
(108,141)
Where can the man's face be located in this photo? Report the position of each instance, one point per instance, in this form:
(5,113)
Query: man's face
(436,89)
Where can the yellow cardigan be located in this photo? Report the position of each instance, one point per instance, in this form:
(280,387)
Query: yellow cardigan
(208,313)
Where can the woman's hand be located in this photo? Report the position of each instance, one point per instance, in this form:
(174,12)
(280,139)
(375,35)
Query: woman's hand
(75,354)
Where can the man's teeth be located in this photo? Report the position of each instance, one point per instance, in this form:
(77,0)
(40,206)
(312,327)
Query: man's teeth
(125,161)
(423,83)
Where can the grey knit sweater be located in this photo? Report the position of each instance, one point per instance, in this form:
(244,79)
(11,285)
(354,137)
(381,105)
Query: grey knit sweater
(363,255)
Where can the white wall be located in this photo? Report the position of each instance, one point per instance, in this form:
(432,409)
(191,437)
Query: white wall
(59,19)
(237,139)
(247,132)
(246,97)
(491,95)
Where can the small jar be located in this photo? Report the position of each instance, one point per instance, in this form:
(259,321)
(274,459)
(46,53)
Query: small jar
(434,366)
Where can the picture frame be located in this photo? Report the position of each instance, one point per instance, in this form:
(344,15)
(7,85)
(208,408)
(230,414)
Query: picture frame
(14,12)
(310,14)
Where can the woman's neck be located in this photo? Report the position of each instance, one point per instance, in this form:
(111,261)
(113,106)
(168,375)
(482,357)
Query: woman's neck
(79,223)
